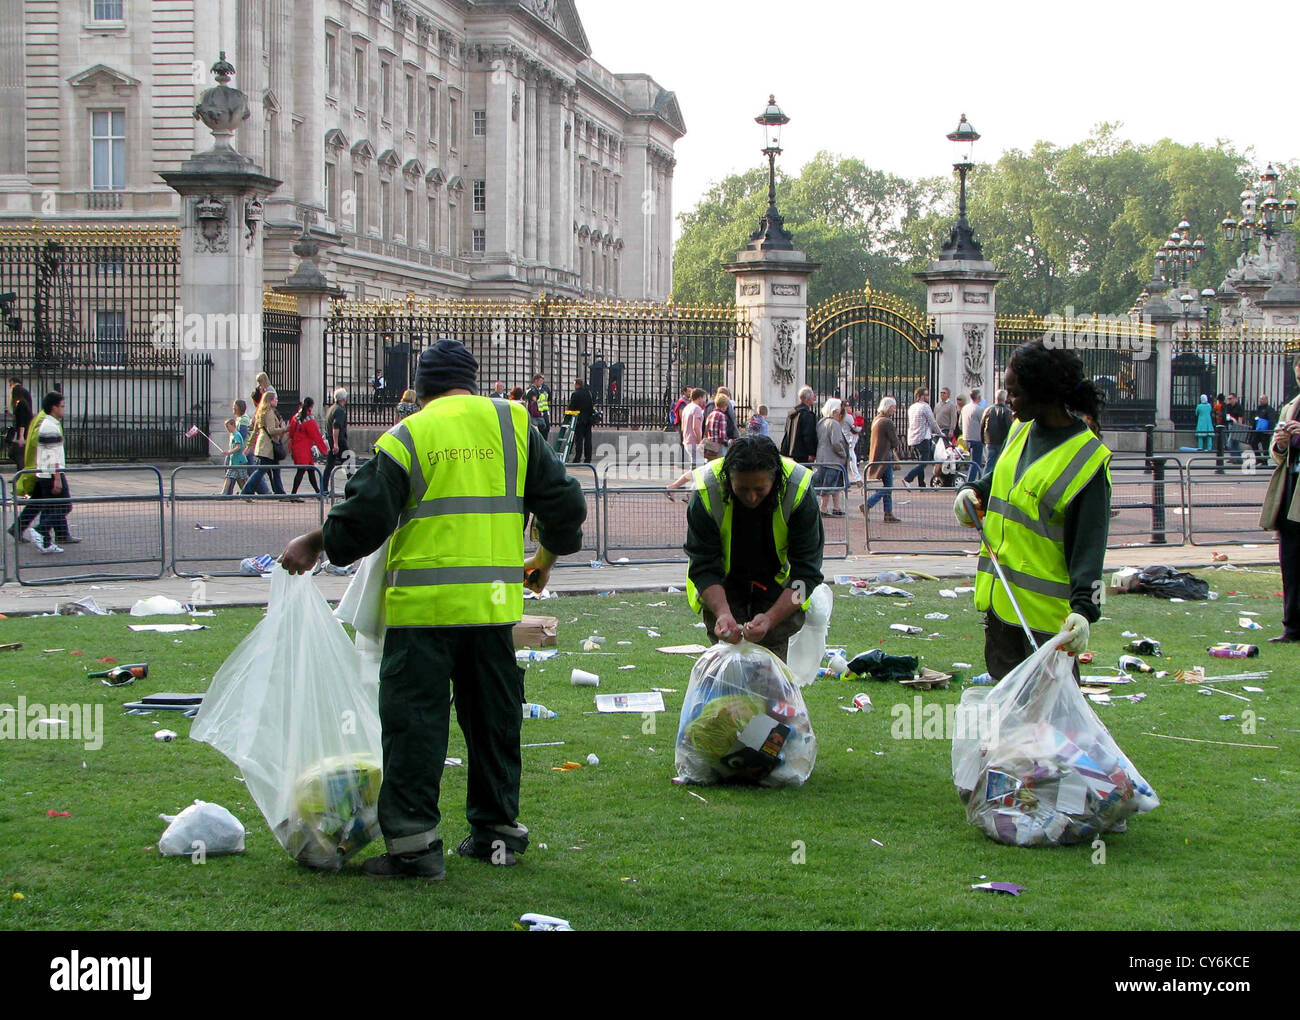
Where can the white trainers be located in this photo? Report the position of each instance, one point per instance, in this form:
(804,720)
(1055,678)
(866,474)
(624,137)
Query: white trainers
(33,536)
(51,548)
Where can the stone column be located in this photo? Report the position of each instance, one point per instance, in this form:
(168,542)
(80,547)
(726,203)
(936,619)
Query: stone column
(528,144)
(221,249)
(772,289)
(1161,316)
(545,119)
(960,294)
(315,297)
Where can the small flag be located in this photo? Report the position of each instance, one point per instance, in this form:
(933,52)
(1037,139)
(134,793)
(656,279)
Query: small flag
(193,432)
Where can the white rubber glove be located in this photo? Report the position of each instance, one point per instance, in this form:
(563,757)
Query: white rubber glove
(965,506)
(1077,627)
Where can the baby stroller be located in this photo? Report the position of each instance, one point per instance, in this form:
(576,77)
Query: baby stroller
(952,465)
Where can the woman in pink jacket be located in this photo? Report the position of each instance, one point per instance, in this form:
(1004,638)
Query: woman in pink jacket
(304,436)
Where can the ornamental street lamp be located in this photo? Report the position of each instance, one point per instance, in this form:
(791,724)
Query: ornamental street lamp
(1179,253)
(961,240)
(1262,214)
(771,233)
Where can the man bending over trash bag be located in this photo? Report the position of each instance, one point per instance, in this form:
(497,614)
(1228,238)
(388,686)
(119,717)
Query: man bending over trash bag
(451,484)
(1047,510)
(754,537)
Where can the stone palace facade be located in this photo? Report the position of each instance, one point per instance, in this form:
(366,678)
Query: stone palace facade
(452,148)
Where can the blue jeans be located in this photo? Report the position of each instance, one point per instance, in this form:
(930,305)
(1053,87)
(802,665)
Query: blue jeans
(256,481)
(886,492)
(993,452)
(924,450)
(976,459)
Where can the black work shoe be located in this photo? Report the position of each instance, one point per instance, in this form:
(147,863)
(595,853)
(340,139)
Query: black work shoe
(427,865)
(490,853)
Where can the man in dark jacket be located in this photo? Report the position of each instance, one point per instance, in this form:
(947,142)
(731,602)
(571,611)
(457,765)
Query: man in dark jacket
(582,403)
(800,440)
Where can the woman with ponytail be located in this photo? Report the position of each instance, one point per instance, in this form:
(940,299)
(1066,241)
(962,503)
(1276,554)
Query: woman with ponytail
(1046,509)
(305,443)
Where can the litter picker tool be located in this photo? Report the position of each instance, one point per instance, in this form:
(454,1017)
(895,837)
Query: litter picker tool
(979,527)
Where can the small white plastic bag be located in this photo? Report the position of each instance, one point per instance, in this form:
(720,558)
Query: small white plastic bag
(744,721)
(203,828)
(294,710)
(808,645)
(1035,766)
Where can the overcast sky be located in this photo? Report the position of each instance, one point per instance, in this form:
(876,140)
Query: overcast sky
(885,82)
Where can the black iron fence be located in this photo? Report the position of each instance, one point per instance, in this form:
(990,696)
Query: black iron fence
(91,312)
(634,358)
(281,337)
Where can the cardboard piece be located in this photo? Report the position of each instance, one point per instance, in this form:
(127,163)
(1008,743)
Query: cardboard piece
(536,632)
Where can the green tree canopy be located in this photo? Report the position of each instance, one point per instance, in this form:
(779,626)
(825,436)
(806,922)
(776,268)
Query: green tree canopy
(1075,226)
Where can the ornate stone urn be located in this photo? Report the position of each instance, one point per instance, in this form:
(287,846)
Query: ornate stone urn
(221,107)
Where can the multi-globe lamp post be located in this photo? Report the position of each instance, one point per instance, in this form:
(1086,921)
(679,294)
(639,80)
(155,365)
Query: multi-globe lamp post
(1262,213)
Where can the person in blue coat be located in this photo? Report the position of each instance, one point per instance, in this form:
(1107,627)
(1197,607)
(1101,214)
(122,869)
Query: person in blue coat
(1204,423)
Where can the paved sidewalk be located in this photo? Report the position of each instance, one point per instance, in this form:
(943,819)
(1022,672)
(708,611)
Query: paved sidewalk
(17,600)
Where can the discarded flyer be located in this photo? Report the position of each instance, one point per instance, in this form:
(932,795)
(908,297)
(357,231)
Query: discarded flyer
(168,628)
(648,701)
(884,589)
(904,628)
(683,649)
(1003,887)
(86,606)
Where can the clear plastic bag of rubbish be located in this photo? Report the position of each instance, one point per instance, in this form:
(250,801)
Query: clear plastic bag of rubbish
(808,646)
(1034,765)
(203,828)
(744,721)
(293,708)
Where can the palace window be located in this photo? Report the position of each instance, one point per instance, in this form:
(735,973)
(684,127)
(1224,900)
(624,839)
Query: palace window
(110,338)
(331,63)
(480,239)
(108,150)
(480,196)
(480,123)
(359,75)
(106,10)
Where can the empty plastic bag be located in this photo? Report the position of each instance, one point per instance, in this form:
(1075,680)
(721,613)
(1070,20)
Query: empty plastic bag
(1035,766)
(808,646)
(293,708)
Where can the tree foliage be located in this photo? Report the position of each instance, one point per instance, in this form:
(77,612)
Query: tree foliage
(1072,226)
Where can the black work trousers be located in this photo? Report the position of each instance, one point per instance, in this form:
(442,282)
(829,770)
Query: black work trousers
(419,668)
(1288,554)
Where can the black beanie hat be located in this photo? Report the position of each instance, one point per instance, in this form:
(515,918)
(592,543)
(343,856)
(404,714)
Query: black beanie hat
(447,365)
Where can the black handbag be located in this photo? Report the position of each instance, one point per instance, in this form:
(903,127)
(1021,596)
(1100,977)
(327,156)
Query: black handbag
(278,452)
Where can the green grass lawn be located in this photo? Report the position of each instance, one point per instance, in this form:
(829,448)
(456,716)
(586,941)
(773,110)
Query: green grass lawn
(626,848)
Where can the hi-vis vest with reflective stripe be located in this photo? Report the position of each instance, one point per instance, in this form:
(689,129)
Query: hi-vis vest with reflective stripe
(456,558)
(708,483)
(1025,527)
(544,401)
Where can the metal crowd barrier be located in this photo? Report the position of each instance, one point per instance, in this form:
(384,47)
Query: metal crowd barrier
(211,533)
(1148,502)
(4,525)
(836,529)
(644,525)
(1223,509)
(123,529)
(924,512)
(592,546)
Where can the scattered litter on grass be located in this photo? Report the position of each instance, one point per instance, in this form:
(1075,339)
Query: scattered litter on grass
(936,616)
(683,649)
(13,646)
(656,605)
(204,527)
(627,667)
(625,642)
(542,922)
(546,743)
(1198,740)
(535,655)
(905,628)
(157,605)
(1226,718)
(877,842)
(85,606)
(883,589)
(961,665)
(58,814)
(1001,887)
(947,593)
(592,760)
(545,593)
(213,826)
(168,628)
(1253,690)
(1247,624)
(649,701)
(673,591)
(453,762)
(696,796)
(568,766)
(166,736)
(664,690)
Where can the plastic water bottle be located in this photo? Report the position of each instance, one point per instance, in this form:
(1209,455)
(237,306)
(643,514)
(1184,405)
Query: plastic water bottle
(534,711)
(983,680)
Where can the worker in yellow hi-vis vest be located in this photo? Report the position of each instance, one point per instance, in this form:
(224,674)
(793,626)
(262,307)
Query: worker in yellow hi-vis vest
(451,484)
(754,538)
(1046,509)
